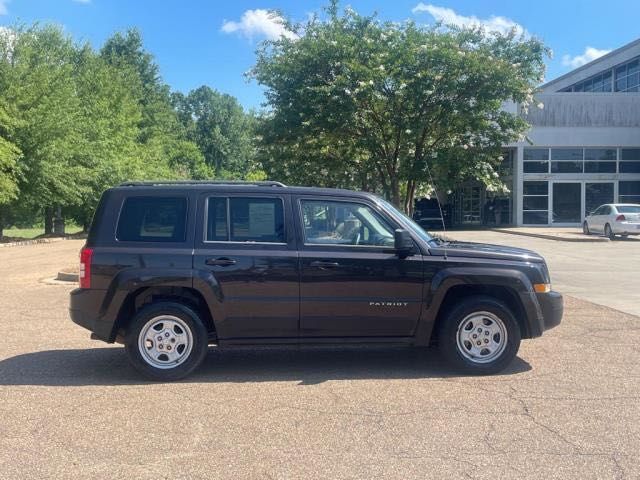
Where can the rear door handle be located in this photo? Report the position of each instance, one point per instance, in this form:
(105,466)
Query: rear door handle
(323,264)
(220,262)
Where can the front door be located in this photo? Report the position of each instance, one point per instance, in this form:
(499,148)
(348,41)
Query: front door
(246,245)
(351,282)
(567,202)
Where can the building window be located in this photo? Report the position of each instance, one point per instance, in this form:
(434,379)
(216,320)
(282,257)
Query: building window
(628,76)
(536,160)
(626,79)
(629,192)
(566,160)
(630,160)
(601,82)
(535,203)
(600,160)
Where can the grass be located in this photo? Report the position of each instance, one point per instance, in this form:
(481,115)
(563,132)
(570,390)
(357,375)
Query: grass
(35,231)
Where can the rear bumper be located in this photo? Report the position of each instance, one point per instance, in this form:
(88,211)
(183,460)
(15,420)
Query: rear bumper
(84,308)
(552,306)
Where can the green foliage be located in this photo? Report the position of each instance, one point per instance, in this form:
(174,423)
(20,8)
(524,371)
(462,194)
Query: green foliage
(74,122)
(359,102)
(224,133)
(9,155)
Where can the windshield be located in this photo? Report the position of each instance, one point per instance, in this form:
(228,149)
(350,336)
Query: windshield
(628,208)
(410,223)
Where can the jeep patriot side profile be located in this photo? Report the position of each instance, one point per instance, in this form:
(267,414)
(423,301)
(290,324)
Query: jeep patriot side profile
(171,267)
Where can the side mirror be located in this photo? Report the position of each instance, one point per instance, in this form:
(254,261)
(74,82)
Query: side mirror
(402,243)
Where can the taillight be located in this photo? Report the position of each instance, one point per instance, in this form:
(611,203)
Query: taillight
(620,218)
(84,274)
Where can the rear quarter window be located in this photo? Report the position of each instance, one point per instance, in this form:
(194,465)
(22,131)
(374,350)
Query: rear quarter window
(152,219)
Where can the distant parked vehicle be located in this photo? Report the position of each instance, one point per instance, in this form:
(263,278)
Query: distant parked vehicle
(613,219)
(431,216)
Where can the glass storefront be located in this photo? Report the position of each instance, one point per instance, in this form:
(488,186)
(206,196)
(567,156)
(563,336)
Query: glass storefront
(567,202)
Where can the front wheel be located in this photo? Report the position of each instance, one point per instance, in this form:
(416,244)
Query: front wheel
(479,336)
(166,341)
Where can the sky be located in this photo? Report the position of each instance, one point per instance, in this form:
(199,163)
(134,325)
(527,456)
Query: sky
(200,42)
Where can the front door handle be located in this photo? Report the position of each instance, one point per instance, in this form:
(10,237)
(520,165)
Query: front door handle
(220,262)
(324,264)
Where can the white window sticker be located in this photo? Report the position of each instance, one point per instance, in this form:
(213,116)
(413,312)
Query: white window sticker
(262,219)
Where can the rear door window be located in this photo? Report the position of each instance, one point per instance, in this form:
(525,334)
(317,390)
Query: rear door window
(153,219)
(245,219)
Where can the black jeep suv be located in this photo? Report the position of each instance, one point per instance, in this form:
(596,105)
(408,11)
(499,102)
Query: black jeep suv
(171,267)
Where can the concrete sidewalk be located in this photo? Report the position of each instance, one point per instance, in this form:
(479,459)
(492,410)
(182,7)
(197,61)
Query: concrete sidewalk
(565,234)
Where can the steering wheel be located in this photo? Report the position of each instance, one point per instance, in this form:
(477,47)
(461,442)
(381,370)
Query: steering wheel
(356,239)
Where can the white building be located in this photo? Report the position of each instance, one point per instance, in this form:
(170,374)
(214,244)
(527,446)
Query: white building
(585,150)
(586,143)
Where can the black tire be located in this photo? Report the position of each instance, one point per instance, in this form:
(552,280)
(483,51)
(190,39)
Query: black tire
(190,361)
(585,228)
(608,232)
(448,335)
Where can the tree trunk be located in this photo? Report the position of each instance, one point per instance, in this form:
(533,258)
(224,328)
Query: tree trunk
(58,222)
(410,197)
(395,191)
(48,220)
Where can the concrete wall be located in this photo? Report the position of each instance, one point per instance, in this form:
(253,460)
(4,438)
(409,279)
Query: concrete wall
(586,110)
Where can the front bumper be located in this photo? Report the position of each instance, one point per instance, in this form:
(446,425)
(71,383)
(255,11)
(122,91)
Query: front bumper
(552,306)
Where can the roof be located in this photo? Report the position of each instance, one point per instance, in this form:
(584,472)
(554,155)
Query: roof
(619,55)
(230,186)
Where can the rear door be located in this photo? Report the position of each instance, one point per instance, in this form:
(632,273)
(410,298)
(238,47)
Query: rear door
(351,282)
(244,241)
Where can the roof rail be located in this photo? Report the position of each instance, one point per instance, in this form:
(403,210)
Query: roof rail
(201,182)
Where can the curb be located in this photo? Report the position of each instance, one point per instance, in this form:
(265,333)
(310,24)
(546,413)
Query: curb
(553,237)
(67,277)
(32,242)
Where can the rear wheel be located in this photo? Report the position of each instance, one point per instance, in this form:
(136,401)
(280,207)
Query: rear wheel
(585,228)
(479,336)
(166,341)
(608,232)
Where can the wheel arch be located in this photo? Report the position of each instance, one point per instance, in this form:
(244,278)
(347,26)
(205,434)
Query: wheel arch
(139,298)
(506,295)
(509,286)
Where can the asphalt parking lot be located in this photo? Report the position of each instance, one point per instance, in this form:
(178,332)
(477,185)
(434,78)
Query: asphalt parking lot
(568,407)
(605,273)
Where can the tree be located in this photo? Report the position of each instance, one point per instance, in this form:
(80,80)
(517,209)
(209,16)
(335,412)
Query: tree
(161,135)
(220,127)
(9,168)
(399,101)
(38,88)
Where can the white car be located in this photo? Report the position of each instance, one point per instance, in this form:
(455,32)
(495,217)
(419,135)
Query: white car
(613,219)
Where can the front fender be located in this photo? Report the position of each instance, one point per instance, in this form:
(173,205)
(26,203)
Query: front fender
(447,278)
